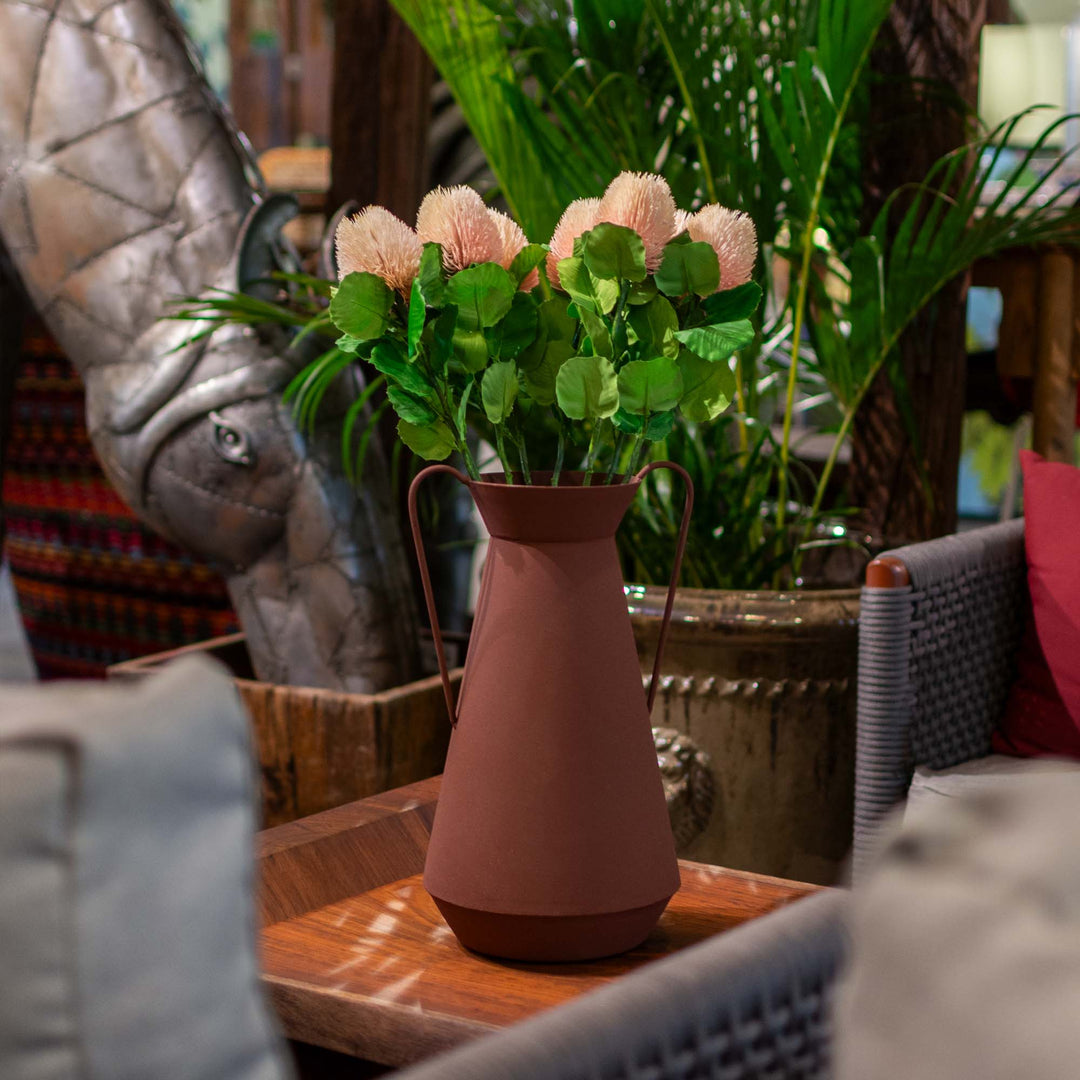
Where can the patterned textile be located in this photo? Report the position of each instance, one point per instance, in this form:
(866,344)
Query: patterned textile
(94,585)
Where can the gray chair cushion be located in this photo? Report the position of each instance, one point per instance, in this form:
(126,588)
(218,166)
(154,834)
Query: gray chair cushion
(127,941)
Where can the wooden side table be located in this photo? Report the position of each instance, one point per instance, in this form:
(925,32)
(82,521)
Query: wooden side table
(357,959)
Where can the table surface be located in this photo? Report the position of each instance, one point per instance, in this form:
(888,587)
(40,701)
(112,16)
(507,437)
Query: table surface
(357,958)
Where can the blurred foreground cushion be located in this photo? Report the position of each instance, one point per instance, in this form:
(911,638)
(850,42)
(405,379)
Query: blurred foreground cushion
(965,958)
(127,940)
(1043,711)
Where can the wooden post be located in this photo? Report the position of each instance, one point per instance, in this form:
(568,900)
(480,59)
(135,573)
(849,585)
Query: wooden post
(1053,404)
(381,108)
(908,487)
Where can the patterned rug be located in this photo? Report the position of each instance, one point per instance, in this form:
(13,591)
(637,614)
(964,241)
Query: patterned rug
(94,585)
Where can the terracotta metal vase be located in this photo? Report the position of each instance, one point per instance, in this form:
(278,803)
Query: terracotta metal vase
(551,840)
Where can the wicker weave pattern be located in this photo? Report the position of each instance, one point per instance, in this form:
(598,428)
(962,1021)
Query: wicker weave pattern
(936,661)
(750,1004)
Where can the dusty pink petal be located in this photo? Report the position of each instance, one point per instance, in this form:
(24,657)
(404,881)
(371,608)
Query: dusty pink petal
(642,202)
(376,242)
(457,219)
(513,240)
(579,217)
(732,236)
(682,219)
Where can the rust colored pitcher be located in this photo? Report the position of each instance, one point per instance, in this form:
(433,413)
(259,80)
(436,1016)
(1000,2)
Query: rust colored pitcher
(551,838)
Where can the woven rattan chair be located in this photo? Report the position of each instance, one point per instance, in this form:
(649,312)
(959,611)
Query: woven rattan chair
(939,628)
(750,1004)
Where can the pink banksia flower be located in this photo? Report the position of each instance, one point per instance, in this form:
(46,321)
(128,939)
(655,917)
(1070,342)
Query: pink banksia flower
(642,202)
(579,217)
(513,239)
(374,241)
(457,219)
(731,234)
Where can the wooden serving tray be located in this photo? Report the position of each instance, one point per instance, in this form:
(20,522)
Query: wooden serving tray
(357,959)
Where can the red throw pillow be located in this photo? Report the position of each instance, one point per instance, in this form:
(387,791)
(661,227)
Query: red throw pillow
(1043,712)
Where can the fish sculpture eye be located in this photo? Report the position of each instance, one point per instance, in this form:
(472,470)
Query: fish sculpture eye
(231,441)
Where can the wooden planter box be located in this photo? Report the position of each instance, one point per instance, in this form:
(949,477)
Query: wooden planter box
(321,748)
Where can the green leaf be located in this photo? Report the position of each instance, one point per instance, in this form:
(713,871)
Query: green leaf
(499,390)
(688,268)
(516,331)
(430,276)
(527,260)
(654,325)
(417,315)
(482,294)
(707,388)
(615,252)
(348,344)
(471,350)
(729,305)
(659,426)
(594,294)
(587,388)
(641,292)
(650,386)
(387,358)
(719,342)
(442,338)
(408,407)
(540,378)
(361,306)
(463,409)
(553,323)
(597,330)
(433,442)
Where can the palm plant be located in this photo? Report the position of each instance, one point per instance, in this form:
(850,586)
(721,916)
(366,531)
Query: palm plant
(757,104)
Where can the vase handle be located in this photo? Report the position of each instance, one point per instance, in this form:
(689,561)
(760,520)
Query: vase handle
(425,578)
(680,549)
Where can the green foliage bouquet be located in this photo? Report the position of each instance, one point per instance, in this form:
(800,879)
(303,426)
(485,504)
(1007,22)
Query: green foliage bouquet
(626,321)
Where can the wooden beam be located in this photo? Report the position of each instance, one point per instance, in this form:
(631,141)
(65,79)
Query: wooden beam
(908,487)
(381,109)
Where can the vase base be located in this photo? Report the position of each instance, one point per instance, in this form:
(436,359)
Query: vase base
(550,938)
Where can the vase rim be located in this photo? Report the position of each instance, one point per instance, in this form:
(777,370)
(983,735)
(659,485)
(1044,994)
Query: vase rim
(570,480)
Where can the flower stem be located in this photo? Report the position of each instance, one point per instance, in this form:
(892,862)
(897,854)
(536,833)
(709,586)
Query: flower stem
(523,457)
(560,454)
(615,455)
(590,457)
(500,446)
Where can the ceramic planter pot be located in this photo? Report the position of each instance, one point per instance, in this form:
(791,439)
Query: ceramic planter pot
(765,683)
(551,840)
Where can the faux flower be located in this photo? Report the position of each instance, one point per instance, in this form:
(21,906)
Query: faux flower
(731,234)
(376,242)
(457,219)
(682,219)
(513,240)
(642,202)
(579,217)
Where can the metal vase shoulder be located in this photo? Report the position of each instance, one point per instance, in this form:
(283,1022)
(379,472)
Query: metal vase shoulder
(551,839)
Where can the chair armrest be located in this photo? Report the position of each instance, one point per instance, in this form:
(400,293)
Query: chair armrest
(748,1003)
(936,659)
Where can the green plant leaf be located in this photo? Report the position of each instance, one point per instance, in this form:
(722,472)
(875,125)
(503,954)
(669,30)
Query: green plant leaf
(463,409)
(729,305)
(641,292)
(719,342)
(614,252)
(482,294)
(409,408)
(707,387)
(361,306)
(430,276)
(587,388)
(417,315)
(470,349)
(516,331)
(598,334)
(594,294)
(442,338)
(527,260)
(650,386)
(348,344)
(433,442)
(688,268)
(540,377)
(659,426)
(387,358)
(654,325)
(499,389)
